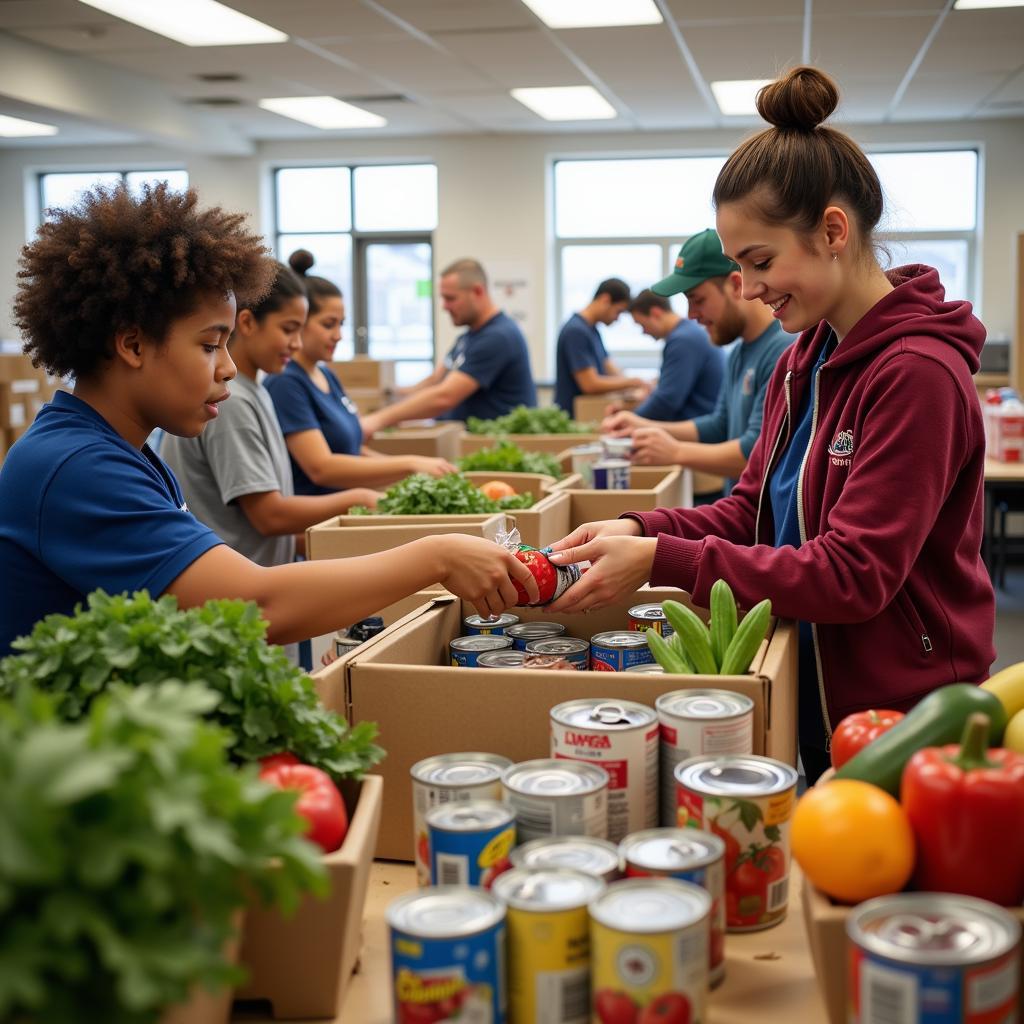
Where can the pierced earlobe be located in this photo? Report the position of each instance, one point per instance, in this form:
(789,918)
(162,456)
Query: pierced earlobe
(835,257)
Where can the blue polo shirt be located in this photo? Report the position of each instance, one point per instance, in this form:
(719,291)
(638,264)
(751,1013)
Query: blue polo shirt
(690,378)
(300,405)
(81,509)
(496,357)
(579,346)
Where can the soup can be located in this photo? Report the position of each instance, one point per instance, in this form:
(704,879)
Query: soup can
(466,649)
(650,669)
(932,958)
(470,842)
(617,447)
(501,659)
(448,955)
(548,943)
(649,951)
(748,802)
(523,632)
(691,856)
(697,722)
(557,798)
(622,737)
(588,854)
(576,652)
(611,475)
(619,650)
(649,616)
(445,779)
(583,457)
(476,625)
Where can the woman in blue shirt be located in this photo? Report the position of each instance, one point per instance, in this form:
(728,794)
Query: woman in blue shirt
(320,424)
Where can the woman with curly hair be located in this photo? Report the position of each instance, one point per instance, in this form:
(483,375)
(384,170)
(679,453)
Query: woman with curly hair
(135,296)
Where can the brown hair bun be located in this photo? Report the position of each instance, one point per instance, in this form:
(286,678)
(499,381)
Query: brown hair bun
(799,100)
(301,261)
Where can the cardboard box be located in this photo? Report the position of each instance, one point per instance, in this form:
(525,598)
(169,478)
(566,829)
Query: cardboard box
(363,372)
(367,400)
(706,483)
(554,444)
(652,487)
(440,440)
(18,367)
(402,681)
(591,408)
(302,963)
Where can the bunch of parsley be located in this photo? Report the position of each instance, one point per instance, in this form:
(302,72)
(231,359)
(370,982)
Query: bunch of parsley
(507,457)
(524,420)
(420,495)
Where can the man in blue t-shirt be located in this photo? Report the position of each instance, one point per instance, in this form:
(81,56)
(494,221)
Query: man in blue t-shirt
(487,371)
(582,366)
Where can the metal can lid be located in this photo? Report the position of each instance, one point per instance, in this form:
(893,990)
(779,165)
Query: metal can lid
(933,928)
(469,816)
(495,621)
(546,888)
(535,630)
(589,854)
(558,645)
(650,905)
(704,704)
(481,642)
(550,777)
(501,659)
(620,638)
(612,464)
(606,715)
(671,849)
(445,911)
(746,774)
(651,668)
(467,769)
(654,612)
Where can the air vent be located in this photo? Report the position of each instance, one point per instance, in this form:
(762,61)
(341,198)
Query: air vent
(220,76)
(391,98)
(215,101)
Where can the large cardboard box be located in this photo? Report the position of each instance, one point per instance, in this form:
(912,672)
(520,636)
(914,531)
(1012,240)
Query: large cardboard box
(402,680)
(591,408)
(367,400)
(440,440)
(652,487)
(554,444)
(362,372)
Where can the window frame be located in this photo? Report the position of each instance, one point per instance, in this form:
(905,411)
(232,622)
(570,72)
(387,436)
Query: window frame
(121,170)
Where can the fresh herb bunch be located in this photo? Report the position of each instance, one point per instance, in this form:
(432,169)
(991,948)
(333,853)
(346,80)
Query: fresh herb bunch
(266,703)
(421,495)
(507,457)
(128,842)
(524,420)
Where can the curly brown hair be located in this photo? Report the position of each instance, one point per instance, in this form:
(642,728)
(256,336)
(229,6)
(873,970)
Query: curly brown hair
(118,260)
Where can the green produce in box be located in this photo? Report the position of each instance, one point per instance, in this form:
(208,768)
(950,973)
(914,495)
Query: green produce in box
(453,494)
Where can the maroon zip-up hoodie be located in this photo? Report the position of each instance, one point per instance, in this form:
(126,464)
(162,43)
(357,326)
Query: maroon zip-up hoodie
(891,502)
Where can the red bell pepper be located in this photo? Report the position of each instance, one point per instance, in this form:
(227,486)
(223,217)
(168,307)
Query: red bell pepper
(966,805)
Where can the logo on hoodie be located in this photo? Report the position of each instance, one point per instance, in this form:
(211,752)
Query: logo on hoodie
(841,448)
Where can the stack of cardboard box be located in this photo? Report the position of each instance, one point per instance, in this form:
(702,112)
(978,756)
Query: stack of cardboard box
(24,390)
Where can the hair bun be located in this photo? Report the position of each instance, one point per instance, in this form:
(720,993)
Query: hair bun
(301,261)
(799,100)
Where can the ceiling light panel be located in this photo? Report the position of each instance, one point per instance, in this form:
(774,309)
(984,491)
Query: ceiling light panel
(984,5)
(566,103)
(738,98)
(18,128)
(595,13)
(324,112)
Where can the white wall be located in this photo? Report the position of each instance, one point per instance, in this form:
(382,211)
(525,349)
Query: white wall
(494,195)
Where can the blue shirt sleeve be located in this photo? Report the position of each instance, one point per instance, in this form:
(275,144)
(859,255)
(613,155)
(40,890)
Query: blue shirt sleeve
(713,428)
(580,349)
(679,369)
(292,403)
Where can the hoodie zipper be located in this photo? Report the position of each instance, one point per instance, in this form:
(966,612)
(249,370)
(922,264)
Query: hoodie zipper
(771,459)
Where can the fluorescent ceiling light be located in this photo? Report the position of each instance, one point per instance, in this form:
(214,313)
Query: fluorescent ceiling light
(738,98)
(323,112)
(17,128)
(192,22)
(980,5)
(566,103)
(595,13)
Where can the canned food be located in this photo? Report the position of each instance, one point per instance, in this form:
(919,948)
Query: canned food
(548,944)
(557,798)
(748,802)
(477,625)
(501,659)
(617,447)
(652,669)
(932,958)
(344,644)
(470,842)
(548,662)
(588,854)
(449,778)
(697,722)
(649,951)
(583,458)
(690,856)
(448,955)
(649,616)
(523,632)
(576,652)
(366,629)
(611,475)
(622,737)
(619,650)
(465,650)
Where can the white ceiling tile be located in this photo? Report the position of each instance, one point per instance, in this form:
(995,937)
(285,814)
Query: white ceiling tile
(461,15)
(688,11)
(865,99)
(515,59)
(978,41)
(871,8)
(723,53)
(944,96)
(1010,93)
(838,45)
(314,18)
(18,14)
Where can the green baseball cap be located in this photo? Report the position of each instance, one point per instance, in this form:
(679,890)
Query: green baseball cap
(701,257)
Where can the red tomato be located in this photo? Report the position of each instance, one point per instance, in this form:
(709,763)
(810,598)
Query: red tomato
(614,1007)
(543,572)
(319,801)
(750,881)
(668,1008)
(856,731)
(275,760)
(732,846)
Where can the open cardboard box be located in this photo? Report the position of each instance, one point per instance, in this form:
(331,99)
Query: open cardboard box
(439,440)
(591,408)
(302,963)
(402,680)
(367,400)
(361,372)
(651,487)
(554,444)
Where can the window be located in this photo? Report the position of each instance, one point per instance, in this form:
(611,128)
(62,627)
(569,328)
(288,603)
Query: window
(369,230)
(60,189)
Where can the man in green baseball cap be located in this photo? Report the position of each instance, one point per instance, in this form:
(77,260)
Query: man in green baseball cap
(721,441)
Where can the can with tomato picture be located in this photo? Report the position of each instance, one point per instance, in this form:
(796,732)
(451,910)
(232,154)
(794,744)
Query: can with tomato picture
(477,625)
(697,722)
(747,801)
(643,617)
(470,842)
(557,798)
(691,856)
(576,652)
(552,580)
(588,854)
(445,779)
(448,955)
(619,650)
(649,952)
(525,632)
(622,737)
(548,943)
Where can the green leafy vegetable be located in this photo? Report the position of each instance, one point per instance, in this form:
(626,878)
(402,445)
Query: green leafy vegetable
(421,495)
(506,457)
(524,420)
(266,703)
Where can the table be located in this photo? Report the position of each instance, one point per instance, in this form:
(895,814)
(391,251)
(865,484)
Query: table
(1002,479)
(769,976)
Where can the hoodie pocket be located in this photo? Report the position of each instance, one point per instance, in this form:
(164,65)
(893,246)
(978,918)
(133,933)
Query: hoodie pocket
(922,640)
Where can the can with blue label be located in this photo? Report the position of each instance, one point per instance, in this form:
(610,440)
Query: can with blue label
(619,650)
(523,632)
(477,625)
(611,475)
(448,955)
(465,650)
(576,652)
(470,842)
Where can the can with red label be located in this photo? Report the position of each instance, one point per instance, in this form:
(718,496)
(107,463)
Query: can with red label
(649,616)
(932,958)
(622,737)
(697,722)
(619,650)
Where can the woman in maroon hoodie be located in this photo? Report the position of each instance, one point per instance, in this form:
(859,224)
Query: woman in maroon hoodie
(860,512)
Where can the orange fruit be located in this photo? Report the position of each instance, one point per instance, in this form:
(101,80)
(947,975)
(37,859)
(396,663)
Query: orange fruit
(495,489)
(852,840)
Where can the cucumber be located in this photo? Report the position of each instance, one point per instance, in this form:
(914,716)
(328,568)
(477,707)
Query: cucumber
(677,645)
(723,619)
(747,639)
(693,635)
(664,655)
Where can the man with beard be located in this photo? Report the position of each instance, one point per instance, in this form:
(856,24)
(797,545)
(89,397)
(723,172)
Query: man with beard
(721,441)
